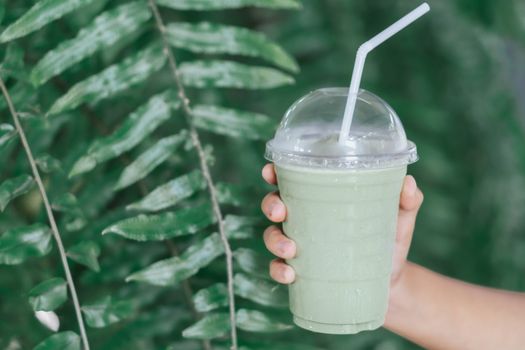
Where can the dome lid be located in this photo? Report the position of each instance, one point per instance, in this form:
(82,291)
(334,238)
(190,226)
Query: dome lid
(308,134)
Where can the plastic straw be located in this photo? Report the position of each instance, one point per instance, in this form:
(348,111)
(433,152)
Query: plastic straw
(363,50)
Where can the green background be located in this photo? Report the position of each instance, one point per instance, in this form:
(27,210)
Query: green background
(456,78)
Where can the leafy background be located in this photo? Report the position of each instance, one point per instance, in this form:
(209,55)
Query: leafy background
(456,78)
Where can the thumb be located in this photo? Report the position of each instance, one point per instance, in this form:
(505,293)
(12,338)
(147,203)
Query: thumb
(409,203)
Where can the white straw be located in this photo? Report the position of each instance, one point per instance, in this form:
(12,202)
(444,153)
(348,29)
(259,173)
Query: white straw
(363,50)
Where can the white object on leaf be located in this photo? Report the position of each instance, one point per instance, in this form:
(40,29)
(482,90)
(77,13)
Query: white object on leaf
(48,319)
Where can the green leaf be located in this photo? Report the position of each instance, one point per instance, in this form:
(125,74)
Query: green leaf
(187,345)
(213,325)
(135,128)
(257,290)
(85,253)
(82,18)
(19,244)
(74,222)
(106,312)
(211,298)
(112,53)
(174,270)
(256,321)
(239,227)
(252,262)
(232,122)
(48,164)
(61,341)
(96,195)
(105,30)
(206,37)
(227,74)
(150,159)
(7,132)
(13,64)
(228,4)
(154,322)
(112,80)
(42,13)
(22,94)
(260,291)
(228,193)
(171,193)
(66,203)
(14,187)
(48,295)
(159,227)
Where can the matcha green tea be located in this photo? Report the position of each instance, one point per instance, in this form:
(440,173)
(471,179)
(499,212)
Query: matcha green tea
(343,223)
(342,204)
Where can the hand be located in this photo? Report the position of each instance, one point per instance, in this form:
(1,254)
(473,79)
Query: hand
(284,248)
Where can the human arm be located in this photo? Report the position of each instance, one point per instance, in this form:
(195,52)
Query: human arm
(438,312)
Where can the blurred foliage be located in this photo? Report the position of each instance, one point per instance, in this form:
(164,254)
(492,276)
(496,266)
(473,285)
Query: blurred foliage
(456,79)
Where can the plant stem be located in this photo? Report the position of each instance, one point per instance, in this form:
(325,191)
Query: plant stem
(50,215)
(143,188)
(204,168)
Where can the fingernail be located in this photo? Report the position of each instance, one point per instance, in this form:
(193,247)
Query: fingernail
(284,247)
(271,210)
(288,274)
(276,210)
(411,186)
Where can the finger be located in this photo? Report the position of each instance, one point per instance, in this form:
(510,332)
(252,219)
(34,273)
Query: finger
(273,207)
(268,174)
(411,197)
(410,201)
(281,272)
(278,243)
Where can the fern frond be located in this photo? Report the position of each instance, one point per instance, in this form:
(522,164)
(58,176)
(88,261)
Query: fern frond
(42,13)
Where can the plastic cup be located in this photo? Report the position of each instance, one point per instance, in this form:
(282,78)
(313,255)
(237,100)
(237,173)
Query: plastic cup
(342,203)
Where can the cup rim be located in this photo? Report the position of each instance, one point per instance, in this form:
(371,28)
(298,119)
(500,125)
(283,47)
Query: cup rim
(356,161)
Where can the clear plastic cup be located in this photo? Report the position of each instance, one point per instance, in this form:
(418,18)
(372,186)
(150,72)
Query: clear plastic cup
(342,203)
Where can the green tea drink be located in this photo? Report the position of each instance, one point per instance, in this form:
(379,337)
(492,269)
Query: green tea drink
(343,223)
(342,203)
